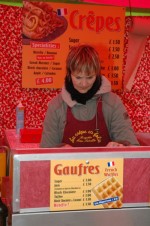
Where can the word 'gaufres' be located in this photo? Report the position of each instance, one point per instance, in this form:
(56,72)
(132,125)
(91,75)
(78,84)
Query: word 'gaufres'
(79,170)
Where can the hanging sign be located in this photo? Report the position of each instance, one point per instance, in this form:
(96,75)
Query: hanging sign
(51,29)
(86,184)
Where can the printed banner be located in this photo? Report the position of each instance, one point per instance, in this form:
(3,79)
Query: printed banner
(51,29)
(86,184)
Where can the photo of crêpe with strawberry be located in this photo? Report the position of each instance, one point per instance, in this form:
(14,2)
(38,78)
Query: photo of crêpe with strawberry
(41,21)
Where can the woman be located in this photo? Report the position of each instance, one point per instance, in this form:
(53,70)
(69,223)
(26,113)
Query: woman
(86,113)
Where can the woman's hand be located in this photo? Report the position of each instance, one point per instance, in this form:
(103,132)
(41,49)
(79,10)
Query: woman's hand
(118,143)
(67,146)
(63,145)
(114,144)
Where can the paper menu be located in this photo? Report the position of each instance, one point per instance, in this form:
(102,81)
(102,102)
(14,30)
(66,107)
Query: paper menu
(74,183)
(43,57)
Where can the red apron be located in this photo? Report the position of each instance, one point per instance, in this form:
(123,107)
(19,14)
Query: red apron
(86,133)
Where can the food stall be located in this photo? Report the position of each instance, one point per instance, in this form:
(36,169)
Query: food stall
(78,186)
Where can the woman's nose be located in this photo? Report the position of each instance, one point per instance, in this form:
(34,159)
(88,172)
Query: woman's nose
(84,82)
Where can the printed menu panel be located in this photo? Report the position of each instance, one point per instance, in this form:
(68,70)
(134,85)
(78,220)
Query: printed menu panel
(50,29)
(86,184)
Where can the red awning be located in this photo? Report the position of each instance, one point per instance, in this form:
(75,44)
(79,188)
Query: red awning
(125,3)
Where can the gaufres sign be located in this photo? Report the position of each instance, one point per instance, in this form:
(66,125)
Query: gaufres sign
(79,170)
(86,184)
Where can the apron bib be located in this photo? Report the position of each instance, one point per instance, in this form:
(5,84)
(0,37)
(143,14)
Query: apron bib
(91,133)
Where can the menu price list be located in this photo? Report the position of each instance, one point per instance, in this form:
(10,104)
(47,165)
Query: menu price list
(114,69)
(43,66)
(76,195)
(79,184)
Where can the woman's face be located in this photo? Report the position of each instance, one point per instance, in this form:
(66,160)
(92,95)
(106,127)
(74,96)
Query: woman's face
(83,82)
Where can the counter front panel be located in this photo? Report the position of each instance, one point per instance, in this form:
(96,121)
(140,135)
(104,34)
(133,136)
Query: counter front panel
(36,187)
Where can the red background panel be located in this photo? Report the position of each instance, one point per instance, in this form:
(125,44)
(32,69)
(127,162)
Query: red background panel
(136,186)
(34,184)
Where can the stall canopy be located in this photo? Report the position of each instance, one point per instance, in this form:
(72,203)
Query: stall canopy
(125,3)
(138,4)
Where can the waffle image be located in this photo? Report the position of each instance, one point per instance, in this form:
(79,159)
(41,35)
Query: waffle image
(110,191)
